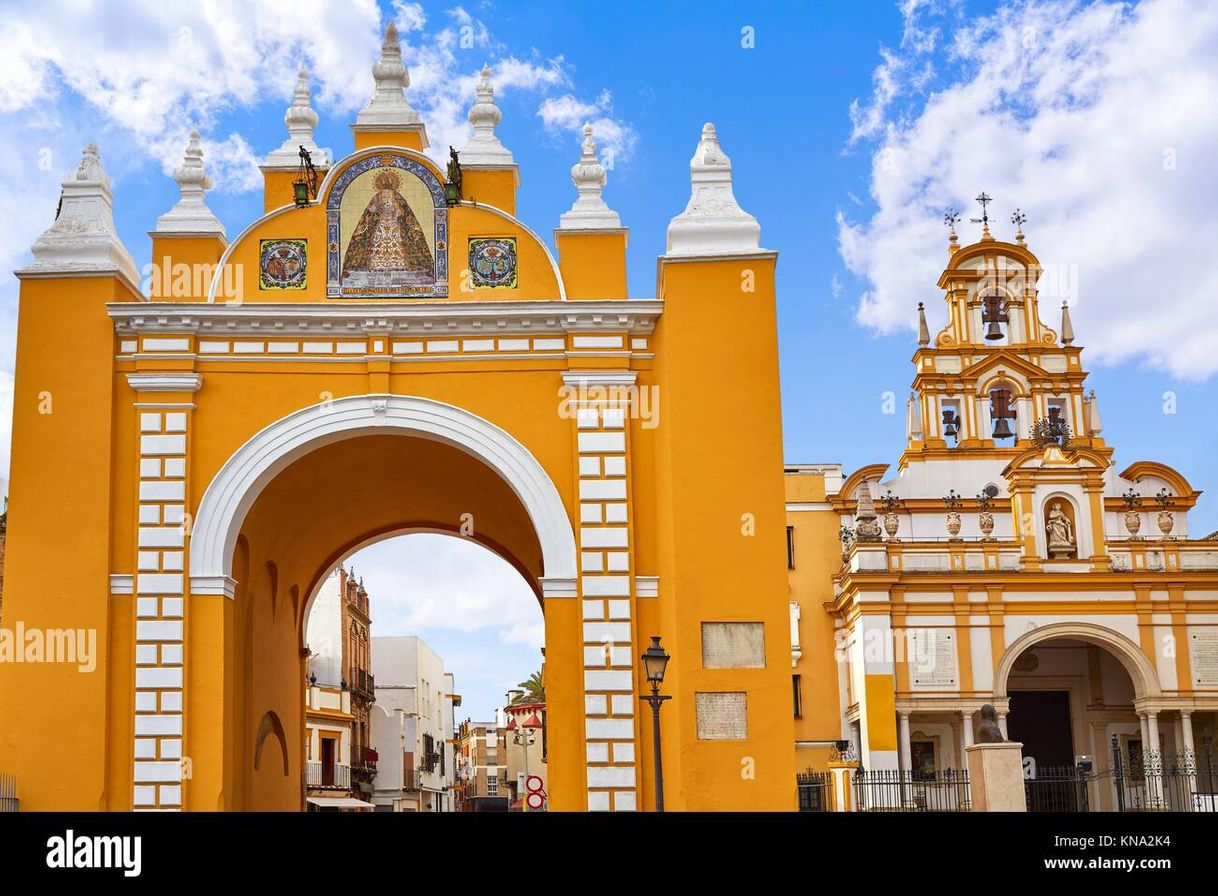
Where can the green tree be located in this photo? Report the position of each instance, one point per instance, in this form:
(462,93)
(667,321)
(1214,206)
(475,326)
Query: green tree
(534,690)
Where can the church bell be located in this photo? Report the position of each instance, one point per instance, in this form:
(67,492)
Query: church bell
(951,423)
(1002,428)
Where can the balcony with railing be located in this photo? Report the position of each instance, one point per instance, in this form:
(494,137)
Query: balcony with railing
(362,684)
(333,775)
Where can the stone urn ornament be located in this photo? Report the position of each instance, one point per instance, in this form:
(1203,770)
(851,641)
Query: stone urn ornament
(1133,519)
(951,502)
(865,526)
(892,523)
(985,517)
(1167,521)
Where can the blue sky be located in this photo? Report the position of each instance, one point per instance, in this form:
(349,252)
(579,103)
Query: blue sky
(850,127)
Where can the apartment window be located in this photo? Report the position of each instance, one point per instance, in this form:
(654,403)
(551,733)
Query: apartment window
(492,785)
(797,696)
(790,547)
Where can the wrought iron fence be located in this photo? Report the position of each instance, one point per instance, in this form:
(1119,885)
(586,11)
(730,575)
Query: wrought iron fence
(1057,788)
(892,790)
(814,791)
(8,793)
(1183,782)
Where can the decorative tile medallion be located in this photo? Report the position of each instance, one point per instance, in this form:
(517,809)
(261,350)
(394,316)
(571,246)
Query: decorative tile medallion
(282,264)
(492,263)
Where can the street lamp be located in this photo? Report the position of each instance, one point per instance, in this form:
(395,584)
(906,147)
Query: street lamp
(655,661)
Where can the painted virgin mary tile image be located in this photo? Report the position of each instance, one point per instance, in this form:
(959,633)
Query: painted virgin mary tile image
(388,232)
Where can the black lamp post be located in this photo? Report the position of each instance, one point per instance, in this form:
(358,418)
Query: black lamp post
(655,661)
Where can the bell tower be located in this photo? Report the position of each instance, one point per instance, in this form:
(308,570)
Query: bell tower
(995,379)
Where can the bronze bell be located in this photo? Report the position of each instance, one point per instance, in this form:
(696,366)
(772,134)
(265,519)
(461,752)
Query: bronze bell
(1002,428)
(993,331)
(951,423)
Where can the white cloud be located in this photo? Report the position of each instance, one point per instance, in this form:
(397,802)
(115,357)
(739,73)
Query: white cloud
(1097,120)
(615,139)
(422,582)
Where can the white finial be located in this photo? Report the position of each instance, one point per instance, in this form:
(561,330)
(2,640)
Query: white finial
(1095,426)
(83,238)
(484,147)
(913,419)
(389,107)
(589,211)
(713,223)
(300,119)
(191,214)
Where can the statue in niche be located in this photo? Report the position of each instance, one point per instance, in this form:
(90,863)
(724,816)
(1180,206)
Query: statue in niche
(1060,532)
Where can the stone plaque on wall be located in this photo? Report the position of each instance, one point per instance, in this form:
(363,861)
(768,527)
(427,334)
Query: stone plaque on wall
(721,716)
(1204,654)
(932,658)
(733,645)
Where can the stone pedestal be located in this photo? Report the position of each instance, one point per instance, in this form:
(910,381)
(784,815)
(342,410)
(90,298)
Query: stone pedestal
(843,771)
(995,777)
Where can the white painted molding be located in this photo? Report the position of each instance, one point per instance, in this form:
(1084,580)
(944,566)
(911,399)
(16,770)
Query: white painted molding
(557,587)
(1141,671)
(191,215)
(122,584)
(83,240)
(804,506)
(165,382)
(713,223)
(220,586)
(485,148)
(301,119)
(588,175)
(637,317)
(587,378)
(238,483)
(646,586)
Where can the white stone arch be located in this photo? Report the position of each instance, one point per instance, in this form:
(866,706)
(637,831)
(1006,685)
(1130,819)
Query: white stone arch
(1141,672)
(236,486)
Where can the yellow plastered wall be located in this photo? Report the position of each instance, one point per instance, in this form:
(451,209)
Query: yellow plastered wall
(593,263)
(816,558)
(60,506)
(719,472)
(490,186)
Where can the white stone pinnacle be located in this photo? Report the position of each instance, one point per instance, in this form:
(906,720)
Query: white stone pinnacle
(83,238)
(191,214)
(589,211)
(389,106)
(484,147)
(301,119)
(713,223)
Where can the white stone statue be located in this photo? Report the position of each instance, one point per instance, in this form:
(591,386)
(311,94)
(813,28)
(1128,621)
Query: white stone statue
(1061,532)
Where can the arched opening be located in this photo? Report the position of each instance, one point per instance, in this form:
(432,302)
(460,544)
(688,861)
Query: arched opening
(306,494)
(416,647)
(1078,697)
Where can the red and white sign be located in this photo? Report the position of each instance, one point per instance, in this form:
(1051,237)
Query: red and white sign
(535,797)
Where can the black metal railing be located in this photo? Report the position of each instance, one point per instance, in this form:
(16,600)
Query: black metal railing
(815,789)
(1057,788)
(8,794)
(892,790)
(362,683)
(1181,782)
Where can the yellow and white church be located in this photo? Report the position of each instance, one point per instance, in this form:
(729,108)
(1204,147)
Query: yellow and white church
(391,343)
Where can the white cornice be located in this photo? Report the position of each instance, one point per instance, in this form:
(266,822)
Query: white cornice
(165,382)
(434,319)
(220,586)
(599,377)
